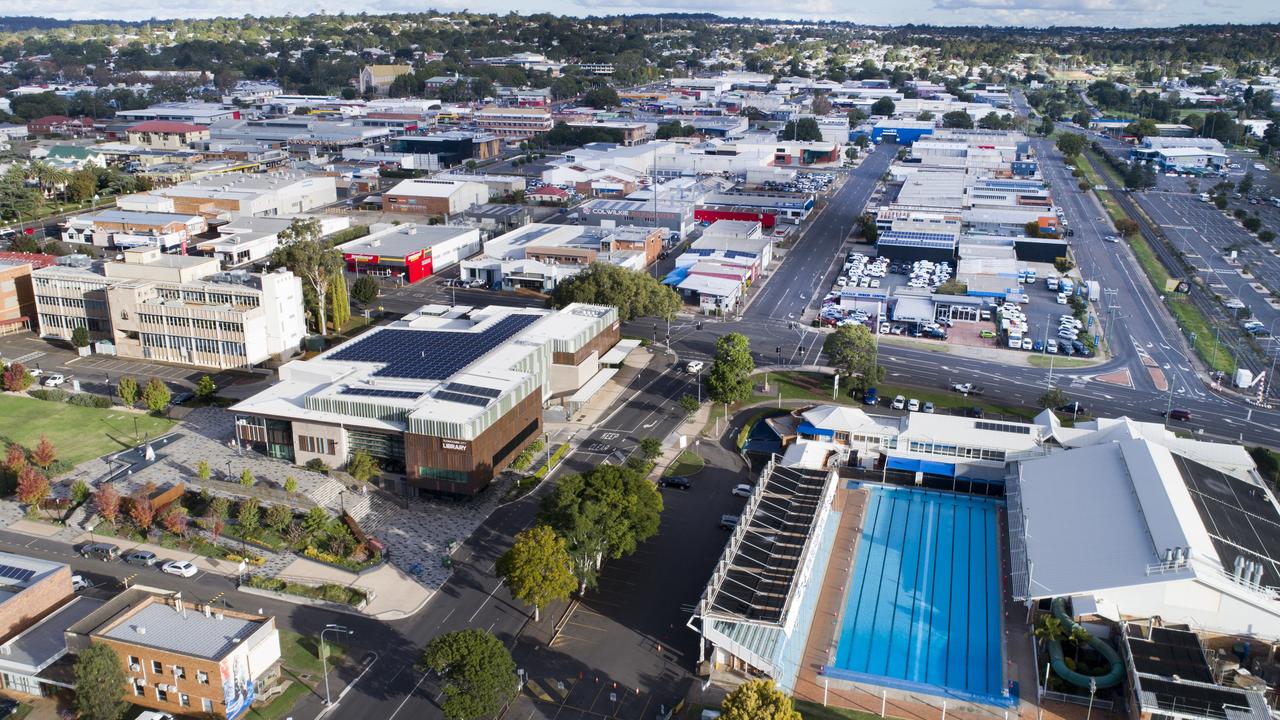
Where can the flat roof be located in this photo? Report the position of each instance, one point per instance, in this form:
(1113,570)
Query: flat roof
(404,240)
(427,187)
(158,625)
(41,644)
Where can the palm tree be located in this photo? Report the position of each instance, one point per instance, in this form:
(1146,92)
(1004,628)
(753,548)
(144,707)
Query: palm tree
(1050,629)
(1079,636)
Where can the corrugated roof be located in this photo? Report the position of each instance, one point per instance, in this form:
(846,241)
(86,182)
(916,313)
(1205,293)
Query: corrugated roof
(186,633)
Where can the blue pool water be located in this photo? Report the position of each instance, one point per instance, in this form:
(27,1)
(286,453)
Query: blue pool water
(923,607)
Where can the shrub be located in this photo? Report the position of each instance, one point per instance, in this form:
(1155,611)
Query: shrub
(49,394)
(102,402)
(291,484)
(80,491)
(317,465)
(523,460)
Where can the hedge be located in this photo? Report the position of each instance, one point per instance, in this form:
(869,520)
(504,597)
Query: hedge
(551,461)
(102,402)
(50,394)
(328,592)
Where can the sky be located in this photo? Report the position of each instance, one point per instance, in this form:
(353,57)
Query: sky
(1118,13)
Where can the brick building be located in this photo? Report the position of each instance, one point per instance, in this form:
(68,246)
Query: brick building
(17,299)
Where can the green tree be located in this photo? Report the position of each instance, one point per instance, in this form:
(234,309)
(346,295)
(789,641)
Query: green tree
(957,119)
(804,129)
(206,389)
(1049,628)
(219,508)
(80,337)
(602,514)
(1139,176)
(1245,186)
(602,97)
(689,404)
(856,116)
(363,467)
(339,302)
(729,379)
(278,518)
(1053,398)
(868,229)
(365,290)
(82,186)
(246,477)
(156,395)
(100,683)
(309,257)
(80,491)
(650,448)
(537,568)
(634,293)
(1046,127)
(884,106)
(1071,144)
(478,672)
(248,516)
(851,350)
(1142,128)
(127,389)
(291,484)
(758,700)
(1082,118)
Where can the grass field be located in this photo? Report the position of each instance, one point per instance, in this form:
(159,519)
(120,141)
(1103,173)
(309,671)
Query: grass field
(686,464)
(79,433)
(1208,347)
(814,711)
(299,655)
(1064,363)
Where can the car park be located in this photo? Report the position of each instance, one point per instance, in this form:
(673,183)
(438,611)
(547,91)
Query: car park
(677,481)
(181,568)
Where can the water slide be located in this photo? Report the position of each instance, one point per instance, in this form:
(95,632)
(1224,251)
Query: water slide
(1113,677)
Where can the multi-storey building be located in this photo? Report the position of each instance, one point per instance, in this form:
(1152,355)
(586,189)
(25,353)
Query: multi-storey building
(125,228)
(282,192)
(17,298)
(514,122)
(174,308)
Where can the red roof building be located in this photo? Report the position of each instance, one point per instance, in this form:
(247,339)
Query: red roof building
(36,260)
(60,125)
(548,193)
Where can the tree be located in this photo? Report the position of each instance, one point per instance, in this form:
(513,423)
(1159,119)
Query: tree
(80,337)
(44,453)
(365,290)
(278,518)
(1046,127)
(219,507)
(758,700)
(1071,144)
(80,491)
(994,121)
(127,389)
(100,683)
(884,106)
(804,129)
(957,119)
(650,448)
(1246,183)
(1139,176)
(856,116)
(175,520)
(16,378)
(248,515)
(82,186)
(729,379)
(1253,223)
(107,500)
(1050,628)
(1053,398)
(246,477)
(15,458)
(1266,236)
(820,105)
(537,568)
(1082,118)
(206,389)
(142,511)
(602,514)
(303,252)
(215,526)
(634,293)
(926,116)
(689,404)
(852,351)
(156,395)
(601,97)
(363,467)
(1142,128)
(478,672)
(33,486)
(339,302)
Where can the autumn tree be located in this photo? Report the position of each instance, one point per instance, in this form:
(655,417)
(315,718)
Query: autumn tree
(175,520)
(107,499)
(33,486)
(16,378)
(44,454)
(142,511)
(15,459)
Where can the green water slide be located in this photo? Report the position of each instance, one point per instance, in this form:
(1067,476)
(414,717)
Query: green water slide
(1113,676)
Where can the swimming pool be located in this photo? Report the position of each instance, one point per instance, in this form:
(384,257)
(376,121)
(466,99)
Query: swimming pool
(923,608)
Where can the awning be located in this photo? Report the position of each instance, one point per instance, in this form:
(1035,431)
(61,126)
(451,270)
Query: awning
(806,429)
(923,466)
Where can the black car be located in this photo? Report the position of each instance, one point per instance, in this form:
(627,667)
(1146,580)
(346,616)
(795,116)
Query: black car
(181,397)
(8,706)
(1071,408)
(676,481)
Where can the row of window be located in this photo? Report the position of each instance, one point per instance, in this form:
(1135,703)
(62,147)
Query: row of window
(319,445)
(71,302)
(162,695)
(197,323)
(206,297)
(189,344)
(69,322)
(918,446)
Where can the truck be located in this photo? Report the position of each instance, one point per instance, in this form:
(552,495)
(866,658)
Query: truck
(1052,283)
(1095,290)
(1066,285)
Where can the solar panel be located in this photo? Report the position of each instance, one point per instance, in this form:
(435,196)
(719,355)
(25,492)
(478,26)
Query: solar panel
(462,398)
(376,392)
(16,573)
(1003,427)
(473,390)
(430,354)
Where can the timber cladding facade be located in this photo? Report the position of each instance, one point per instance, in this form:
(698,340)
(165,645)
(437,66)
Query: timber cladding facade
(465,467)
(599,344)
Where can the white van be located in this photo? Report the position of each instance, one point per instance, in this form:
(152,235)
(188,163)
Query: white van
(694,367)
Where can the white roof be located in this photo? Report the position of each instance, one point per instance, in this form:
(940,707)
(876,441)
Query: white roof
(847,419)
(711,285)
(424,187)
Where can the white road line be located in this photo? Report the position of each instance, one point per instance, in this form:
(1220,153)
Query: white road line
(486,602)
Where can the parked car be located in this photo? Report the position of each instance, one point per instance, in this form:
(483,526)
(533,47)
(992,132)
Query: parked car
(870,397)
(100,551)
(913,405)
(928,407)
(55,380)
(181,568)
(80,582)
(8,706)
(140,557)
(742,490)
(899,402)
(728,522)
(975,412)
(987,334)
(677,481)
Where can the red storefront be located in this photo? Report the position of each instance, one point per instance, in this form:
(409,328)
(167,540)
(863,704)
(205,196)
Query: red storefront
(766,218)
(410,268)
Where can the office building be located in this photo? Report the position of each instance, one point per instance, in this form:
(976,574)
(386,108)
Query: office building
(410,252)
(515,122)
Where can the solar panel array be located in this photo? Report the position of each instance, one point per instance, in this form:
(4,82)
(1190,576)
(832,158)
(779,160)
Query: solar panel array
(1003,427)
(462,398)
(473,390)
(377,392)
(1239,516)
(9,572)
(430,354)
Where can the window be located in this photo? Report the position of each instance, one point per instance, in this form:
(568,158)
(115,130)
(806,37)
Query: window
(156,667)
(206,704)
(138,688)
(202,677)
(184,700)
(133,660)
(179,672)
(161,695)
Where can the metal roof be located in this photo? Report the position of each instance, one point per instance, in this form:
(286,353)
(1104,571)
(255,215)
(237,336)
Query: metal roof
(160,626)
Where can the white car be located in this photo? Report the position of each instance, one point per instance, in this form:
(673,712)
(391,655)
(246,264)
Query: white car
(181,568)
(899,402)
(741,490)
(694,367)
(80,582)
(55,380)
(1027,343)
(913,405)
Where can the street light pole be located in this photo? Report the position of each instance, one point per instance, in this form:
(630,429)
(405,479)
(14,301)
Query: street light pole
(324,656)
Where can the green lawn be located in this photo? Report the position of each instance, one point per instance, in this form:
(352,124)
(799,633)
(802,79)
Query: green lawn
(1208,347)
(814,711)
(686,464)
(298,656)
(797,386)
(79,433)
(1042,361)
(817,388)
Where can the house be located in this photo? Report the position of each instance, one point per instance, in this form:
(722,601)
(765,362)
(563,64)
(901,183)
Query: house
(547,194)
(378,78)
(60,125)
(166,134)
